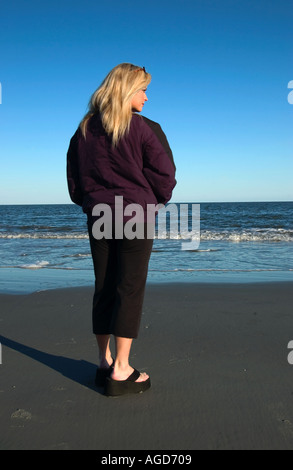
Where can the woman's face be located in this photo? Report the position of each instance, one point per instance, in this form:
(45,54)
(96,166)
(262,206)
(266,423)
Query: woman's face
(139,100)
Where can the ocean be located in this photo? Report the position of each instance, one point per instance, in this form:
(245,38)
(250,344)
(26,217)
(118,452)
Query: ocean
(46,246)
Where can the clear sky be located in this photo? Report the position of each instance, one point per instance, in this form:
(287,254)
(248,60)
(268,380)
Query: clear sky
(220,69)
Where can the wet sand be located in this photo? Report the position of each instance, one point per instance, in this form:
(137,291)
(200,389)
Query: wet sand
(217,356)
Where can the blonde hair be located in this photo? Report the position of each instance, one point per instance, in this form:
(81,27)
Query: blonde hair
(113,99)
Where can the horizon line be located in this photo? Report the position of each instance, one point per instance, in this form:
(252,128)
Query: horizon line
(170,202)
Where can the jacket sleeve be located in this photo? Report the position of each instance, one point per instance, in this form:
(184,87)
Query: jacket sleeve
(73,179)
(159,168)
(156,128)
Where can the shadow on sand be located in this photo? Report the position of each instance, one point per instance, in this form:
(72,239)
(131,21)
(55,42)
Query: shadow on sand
(78,370)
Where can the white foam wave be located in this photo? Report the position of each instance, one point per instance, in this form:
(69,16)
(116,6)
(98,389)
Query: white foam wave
(77,255)
(49,236)
(251,235)
(237,236)
(37,265)
(212,270)
(254,235)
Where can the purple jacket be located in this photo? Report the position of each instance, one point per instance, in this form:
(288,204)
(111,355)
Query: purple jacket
(140,168)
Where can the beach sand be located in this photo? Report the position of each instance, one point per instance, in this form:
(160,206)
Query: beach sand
(217,355)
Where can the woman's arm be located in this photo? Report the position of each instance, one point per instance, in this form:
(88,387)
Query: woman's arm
(73,180)
(158,163)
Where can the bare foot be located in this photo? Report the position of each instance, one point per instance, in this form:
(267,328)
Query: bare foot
(120,373)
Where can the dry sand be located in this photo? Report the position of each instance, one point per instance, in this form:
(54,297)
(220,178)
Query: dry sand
(217,356)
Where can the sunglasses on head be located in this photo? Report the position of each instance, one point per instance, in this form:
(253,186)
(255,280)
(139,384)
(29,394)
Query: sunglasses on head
(139,69)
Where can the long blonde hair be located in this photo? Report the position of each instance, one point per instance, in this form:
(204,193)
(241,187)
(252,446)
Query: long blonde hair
(113,99)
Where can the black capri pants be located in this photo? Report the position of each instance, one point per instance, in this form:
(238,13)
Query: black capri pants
(121,268)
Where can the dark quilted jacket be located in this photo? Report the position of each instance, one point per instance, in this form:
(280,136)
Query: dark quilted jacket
(140,168)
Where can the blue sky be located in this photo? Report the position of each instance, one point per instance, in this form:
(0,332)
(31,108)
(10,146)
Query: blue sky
(219,90)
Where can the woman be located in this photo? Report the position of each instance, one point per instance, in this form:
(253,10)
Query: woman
(116,152)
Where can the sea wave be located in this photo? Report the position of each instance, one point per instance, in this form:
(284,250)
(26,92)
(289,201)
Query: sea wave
(235,236)
(37,265)
(254,235)
(214,270)
(46,236)
(46,265)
